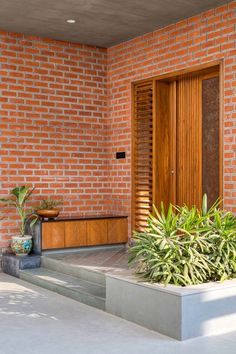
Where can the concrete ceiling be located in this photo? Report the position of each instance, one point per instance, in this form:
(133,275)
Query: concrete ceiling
(98,22)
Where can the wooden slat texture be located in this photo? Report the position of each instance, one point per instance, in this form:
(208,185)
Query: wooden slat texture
(189,161)
(164,145)
(53,235)
(75,234)
(142,153)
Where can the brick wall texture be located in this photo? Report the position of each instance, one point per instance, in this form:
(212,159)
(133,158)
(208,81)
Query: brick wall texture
(65,109)
(53,98)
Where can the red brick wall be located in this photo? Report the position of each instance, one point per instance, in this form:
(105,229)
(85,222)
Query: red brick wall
(53,104)
(204,38)
(65,110)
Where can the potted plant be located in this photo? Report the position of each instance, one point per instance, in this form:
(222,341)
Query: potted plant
(48,208)
(186,246)
(21,244)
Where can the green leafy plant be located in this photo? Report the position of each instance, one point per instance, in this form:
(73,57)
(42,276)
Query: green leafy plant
(48,204)
(186,246)
(17,199)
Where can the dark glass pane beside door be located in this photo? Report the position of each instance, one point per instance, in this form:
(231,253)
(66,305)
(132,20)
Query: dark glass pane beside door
(210,138)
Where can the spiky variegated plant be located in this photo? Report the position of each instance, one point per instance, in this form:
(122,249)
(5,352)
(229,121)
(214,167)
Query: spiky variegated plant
(18,198)
(186,245)
(49,204)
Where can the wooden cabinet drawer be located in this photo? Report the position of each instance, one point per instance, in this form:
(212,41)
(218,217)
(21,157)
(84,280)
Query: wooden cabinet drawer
(75,234)
(78,233)
(96,232)
(53,235)
(117,231)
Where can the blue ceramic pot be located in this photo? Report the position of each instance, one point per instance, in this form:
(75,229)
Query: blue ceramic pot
(21,246)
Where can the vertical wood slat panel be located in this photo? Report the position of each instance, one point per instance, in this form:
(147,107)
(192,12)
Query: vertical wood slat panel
(142,193)
(173,107)
(189,161)
(164,153)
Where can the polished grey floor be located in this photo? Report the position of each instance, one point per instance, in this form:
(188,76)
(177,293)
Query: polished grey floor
(36,321)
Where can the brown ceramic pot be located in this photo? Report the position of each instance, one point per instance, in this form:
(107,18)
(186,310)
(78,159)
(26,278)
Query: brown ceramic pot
(48,213)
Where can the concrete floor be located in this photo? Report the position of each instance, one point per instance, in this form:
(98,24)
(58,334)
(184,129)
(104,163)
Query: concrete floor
(34,320)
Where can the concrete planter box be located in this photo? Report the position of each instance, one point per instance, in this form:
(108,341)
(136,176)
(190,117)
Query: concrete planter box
(178,312)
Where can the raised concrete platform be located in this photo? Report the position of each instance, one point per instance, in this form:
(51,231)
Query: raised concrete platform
(12,264)
(181,313)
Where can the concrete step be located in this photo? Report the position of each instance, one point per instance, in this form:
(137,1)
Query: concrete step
(89,293)
(78,271)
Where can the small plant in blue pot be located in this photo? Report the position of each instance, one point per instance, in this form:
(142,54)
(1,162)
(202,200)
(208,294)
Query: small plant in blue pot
(21,244)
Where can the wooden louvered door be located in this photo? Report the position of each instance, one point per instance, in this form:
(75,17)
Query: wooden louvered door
(142,153)
(176,142)
(154,138)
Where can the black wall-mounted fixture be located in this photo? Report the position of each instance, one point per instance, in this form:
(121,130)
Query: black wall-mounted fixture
(120,155)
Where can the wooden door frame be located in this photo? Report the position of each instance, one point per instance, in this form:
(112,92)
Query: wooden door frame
(208,68)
